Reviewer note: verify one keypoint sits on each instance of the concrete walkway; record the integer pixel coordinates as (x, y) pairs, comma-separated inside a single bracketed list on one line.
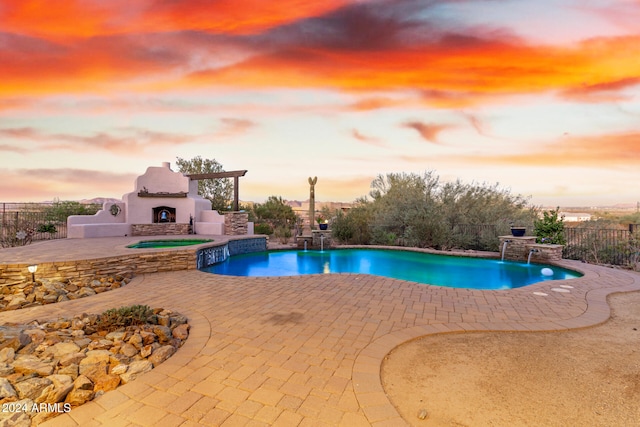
[(304, 351)]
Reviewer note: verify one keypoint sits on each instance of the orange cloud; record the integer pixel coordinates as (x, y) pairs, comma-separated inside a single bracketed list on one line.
[(367, 139), (599, 92), (126, 140), (74, 18), (615, 150), (428, 132), (374, 103), (234, 126), (340, 44)]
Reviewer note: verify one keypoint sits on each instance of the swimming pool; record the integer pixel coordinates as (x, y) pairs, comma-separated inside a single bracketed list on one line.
[(433, 269), (172, 243)]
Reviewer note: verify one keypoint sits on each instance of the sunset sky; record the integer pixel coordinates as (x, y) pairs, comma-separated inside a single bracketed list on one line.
[(542, 97)]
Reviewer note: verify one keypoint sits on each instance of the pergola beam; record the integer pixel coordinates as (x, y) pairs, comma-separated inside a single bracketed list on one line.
[(218, 175)]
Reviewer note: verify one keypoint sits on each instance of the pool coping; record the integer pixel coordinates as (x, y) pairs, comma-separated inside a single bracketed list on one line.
[(357, 319)]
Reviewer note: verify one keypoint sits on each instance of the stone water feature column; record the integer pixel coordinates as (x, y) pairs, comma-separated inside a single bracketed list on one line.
[(236, 223), (518, 249)]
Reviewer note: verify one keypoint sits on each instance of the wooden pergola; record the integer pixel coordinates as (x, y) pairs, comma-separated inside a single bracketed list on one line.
[(218, 175)]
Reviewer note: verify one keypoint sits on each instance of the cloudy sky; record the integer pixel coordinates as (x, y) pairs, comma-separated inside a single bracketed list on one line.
[(542, 97)]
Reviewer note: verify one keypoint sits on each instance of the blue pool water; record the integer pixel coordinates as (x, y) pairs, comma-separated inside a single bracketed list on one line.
[(440, 270)]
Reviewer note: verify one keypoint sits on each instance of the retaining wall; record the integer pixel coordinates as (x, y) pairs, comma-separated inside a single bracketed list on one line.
[(142, 262)]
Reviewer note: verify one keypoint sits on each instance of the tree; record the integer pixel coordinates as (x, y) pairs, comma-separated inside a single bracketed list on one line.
[(417, 210), (218, 191), (550, 229), (353, 227), (275, 212)]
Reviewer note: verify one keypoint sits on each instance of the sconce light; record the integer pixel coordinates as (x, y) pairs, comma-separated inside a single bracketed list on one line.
[(32, 269)]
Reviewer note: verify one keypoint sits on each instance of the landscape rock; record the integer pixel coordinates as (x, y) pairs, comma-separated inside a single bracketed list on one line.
[(181, 331), (128, 350), (7, 355), (163, 333), (72, 361), (136, 368), (19, 295), (31, 388), (60, 386), (6, 389), (61, 349), (161, 354), (29, 364)]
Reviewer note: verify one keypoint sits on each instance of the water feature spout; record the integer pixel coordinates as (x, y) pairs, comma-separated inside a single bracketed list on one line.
[(504, 248), (321, 242), (531, 252), (305, 245)]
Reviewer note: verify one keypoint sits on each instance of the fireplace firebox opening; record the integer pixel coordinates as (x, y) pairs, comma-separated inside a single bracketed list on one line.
[(163, 214)]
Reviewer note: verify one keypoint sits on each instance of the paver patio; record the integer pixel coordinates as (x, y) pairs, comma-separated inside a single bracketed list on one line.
[(299, 351)]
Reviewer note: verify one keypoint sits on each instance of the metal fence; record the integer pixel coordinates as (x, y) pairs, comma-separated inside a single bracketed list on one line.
[(480, 237), (593, 245), (23, 223), (603, 245)]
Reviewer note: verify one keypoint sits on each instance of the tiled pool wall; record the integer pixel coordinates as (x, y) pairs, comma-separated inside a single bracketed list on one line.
[(215, 254)]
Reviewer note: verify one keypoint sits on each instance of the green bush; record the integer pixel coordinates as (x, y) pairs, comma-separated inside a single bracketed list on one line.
[(283, 233), (352, 228), (550, 228), (263, 228), (47, 228), (124, 316)]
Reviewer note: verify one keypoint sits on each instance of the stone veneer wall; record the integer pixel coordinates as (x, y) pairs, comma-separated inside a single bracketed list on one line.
[(166, 228), (518, 249), (148, 262), (131, 264), (236, 223)]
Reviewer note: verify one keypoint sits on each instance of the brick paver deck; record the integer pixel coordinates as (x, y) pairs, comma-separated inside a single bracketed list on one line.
[(301, 351)]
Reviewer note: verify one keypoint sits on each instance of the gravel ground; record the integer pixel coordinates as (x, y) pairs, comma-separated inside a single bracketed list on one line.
[(586, 377)]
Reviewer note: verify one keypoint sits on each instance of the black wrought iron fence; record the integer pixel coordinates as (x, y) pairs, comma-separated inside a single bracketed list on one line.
[(480, 237), (603, 245), (23, 223), (20, 228)]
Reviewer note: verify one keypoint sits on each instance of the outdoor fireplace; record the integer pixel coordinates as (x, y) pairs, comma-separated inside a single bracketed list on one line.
[(162, 214), (163, 202)]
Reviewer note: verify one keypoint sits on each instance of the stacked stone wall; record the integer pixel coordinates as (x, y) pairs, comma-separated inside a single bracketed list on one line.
[(167, 228), (236, 223), (518, 249), (124, 265), (143, 262)]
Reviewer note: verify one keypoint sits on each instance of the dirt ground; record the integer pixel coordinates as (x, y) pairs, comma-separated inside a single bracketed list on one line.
[(585, 377)]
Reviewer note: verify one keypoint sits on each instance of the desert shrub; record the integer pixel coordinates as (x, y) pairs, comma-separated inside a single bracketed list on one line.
[(47, 228), (550, 228), (124, 316), (283, 233), (263, 228), (352, 228)]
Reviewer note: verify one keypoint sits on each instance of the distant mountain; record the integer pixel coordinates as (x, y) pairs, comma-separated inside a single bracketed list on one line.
[(99, 200)]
